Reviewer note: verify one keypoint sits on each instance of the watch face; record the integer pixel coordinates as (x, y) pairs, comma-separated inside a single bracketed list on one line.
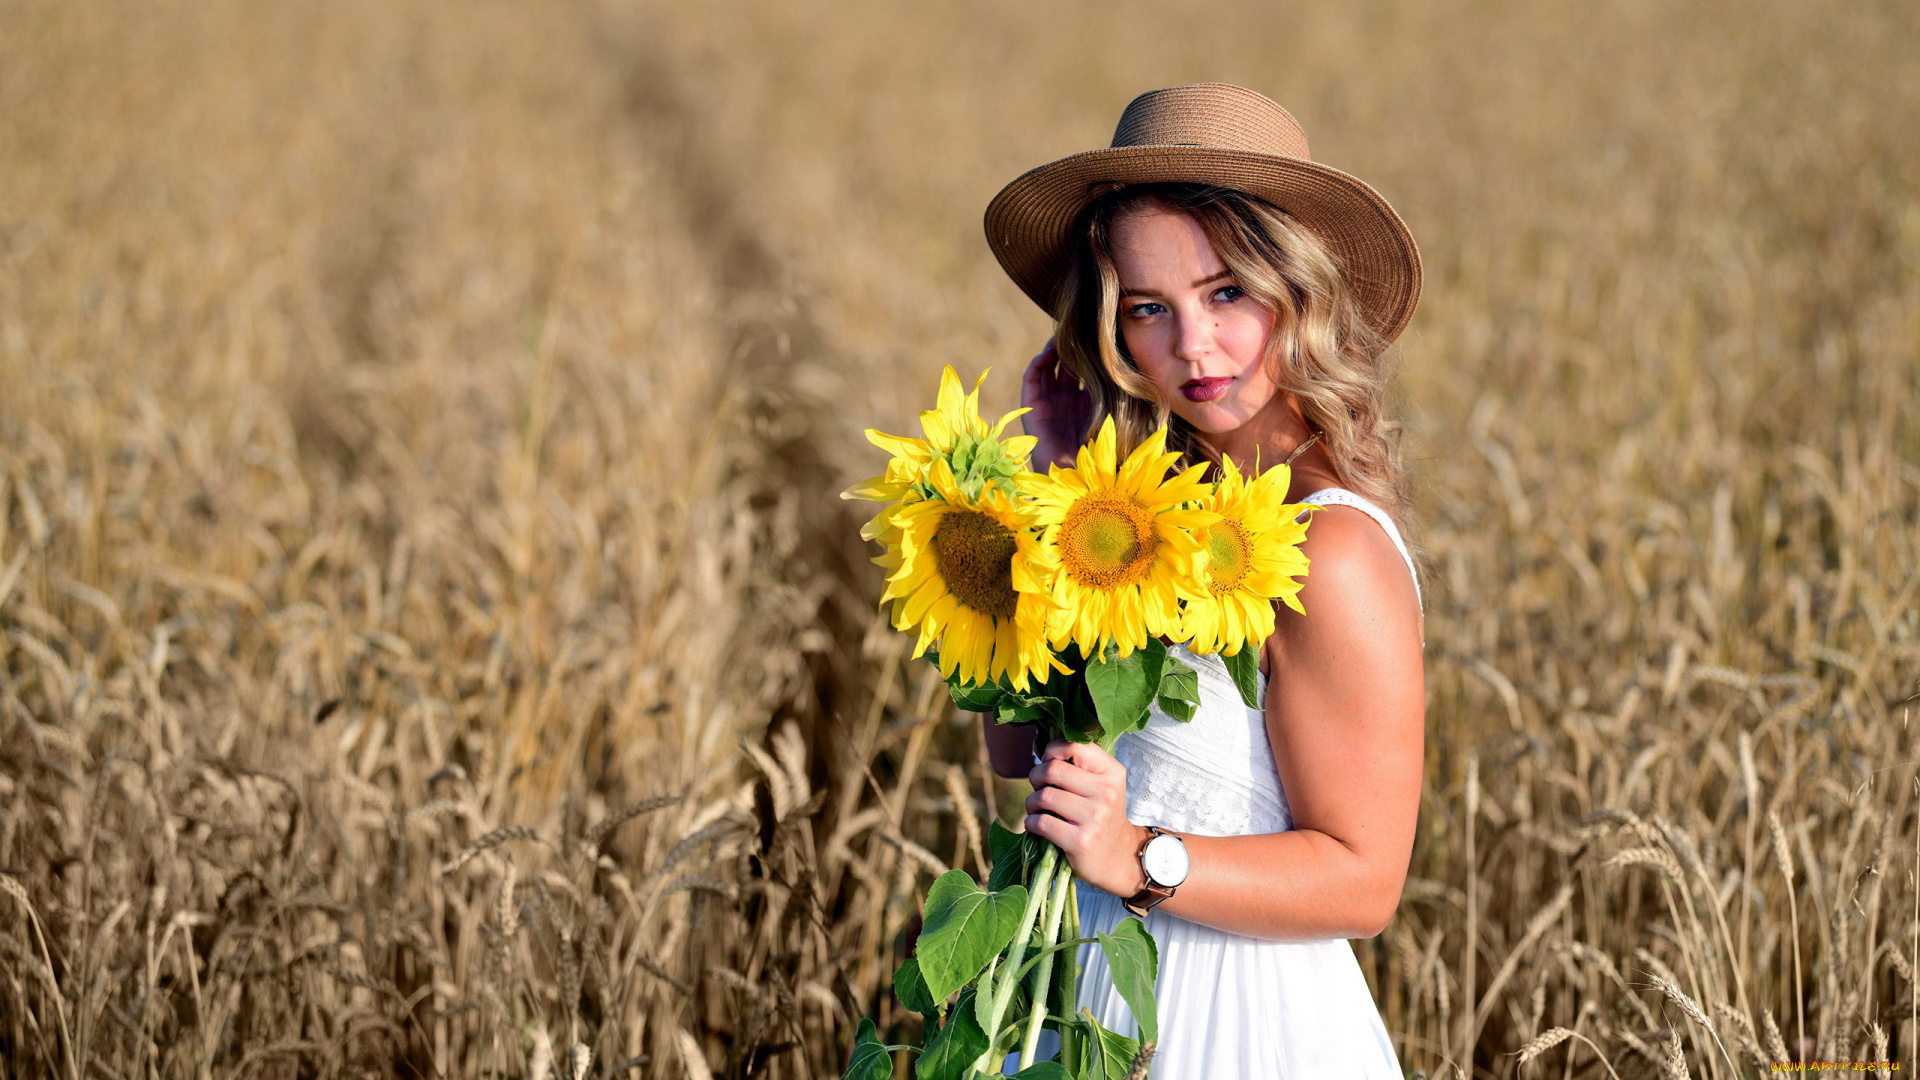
[(1166, 860)]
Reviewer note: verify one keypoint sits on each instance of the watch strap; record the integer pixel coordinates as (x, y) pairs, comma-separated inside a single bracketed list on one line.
[(1144, 901)]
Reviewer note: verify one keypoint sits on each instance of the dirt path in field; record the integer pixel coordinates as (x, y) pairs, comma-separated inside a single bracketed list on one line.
[(810, 537)]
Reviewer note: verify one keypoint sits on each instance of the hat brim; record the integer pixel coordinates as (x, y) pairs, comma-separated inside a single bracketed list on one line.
[(1030, 222)]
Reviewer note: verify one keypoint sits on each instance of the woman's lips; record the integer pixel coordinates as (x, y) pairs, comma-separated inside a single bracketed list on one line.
[(1205, 389)]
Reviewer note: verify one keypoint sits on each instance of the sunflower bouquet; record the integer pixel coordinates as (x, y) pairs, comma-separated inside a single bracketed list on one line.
[(1050, 600)]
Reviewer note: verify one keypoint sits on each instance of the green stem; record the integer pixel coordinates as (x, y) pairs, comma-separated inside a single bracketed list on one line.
[(1016, 953), (1057, 947), (1069, 981), (1050, 934)]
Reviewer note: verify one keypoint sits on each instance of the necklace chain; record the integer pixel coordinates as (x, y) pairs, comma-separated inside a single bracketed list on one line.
[(1302, 448)]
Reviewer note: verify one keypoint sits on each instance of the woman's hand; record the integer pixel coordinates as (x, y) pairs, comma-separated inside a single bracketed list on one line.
[(1062, 410), (1079, 804)]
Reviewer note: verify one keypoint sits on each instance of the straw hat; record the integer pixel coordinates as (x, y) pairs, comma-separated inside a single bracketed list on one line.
[(1211, 133)]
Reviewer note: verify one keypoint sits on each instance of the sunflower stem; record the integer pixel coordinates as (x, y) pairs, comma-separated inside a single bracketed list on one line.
[(1016, 953), (1068, 982), (1049, 936)]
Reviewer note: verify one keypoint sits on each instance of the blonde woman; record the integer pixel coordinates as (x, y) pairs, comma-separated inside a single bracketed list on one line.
[(1204, 273)]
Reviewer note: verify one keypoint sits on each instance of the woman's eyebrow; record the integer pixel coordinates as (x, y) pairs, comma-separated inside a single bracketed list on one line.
[(1124, 293)]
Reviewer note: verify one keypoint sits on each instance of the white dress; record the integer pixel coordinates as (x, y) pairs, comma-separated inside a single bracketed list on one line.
[(1234, 1006)]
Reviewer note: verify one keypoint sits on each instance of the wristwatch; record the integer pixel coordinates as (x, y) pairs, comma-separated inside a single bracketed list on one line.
[(1163, 859)]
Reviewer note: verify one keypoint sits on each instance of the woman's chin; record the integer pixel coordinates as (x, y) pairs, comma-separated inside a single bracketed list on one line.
[(1210, 419)]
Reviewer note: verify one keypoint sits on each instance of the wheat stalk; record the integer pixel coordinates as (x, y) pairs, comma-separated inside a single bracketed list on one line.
[(1673, 1062), (1743, 1033), (692, 1059), (1553, 1037), (1783, 860), (1647, 856), (1775, 1044), (1695, 1013)]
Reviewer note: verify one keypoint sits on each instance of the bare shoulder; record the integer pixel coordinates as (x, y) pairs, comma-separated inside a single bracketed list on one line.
[(1357, 587)]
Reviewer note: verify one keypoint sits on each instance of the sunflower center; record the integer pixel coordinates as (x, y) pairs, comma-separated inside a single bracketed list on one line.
[(1107, 541), (1228, 553), (975, 556)]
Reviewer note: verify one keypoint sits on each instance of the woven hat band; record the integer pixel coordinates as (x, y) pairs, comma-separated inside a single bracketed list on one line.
[(1211, 114)]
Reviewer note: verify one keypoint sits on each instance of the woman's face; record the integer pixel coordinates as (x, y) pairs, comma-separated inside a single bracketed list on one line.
[(1190, 328)]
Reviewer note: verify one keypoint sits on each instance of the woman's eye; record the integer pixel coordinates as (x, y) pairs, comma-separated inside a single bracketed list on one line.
[(1229, 293), (1142, 311)]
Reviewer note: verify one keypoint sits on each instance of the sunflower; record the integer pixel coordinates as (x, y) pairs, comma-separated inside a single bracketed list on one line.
[(1253, 557), (897, 487), (962, 575), (955, 433), (1119, 544), (978, 467)]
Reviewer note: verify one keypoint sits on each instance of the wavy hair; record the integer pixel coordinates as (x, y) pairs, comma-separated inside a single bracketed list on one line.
[(1321, 351)]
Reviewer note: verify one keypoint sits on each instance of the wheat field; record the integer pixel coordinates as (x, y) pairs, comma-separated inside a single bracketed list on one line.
[(431, 645)]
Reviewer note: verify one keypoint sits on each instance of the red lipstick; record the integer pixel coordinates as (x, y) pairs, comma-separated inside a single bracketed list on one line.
[(1205, 389)]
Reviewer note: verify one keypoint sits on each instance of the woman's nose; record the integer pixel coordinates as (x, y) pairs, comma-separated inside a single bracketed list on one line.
[(1192, 336)]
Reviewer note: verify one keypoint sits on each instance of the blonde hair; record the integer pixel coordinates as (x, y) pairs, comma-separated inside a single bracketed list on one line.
[(1321, 350)]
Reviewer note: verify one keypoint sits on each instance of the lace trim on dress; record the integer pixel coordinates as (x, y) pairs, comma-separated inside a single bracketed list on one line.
[(1213, 775), (1201, 801)]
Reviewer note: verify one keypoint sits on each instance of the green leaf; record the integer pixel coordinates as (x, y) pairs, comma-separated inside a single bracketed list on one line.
[(912, 990), (1179, 690), (1157, 658), (964, 927), (973, 698), (951, 1053), (1106, 1056), (870, 1060), (1180, 709), (1179, 681), (983, 1001), (1014, 856), (1122, 690), (1017, 708), (1134, 960), (1075, 717), (1001, 839), (1244, 666), (1044, 1070), (1079, 718)]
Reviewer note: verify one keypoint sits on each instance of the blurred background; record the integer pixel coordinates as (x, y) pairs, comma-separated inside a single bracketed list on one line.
[(431, 643)]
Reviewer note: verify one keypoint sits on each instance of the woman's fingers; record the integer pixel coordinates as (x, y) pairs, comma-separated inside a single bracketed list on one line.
[(1073, 805), (1059, 832), (1042, 376), (1049, 355), (1062, 773), (1079, 805), (1060, 802), (1086, 755)]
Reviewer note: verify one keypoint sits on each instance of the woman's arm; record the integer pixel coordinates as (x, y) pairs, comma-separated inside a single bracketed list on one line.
[(1009, 747), (1346, 717)]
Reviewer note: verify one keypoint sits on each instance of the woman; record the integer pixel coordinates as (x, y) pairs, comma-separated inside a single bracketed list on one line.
[(1204, 273)]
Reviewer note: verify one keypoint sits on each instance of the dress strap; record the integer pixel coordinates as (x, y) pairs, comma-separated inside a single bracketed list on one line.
[(1338, 496)]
